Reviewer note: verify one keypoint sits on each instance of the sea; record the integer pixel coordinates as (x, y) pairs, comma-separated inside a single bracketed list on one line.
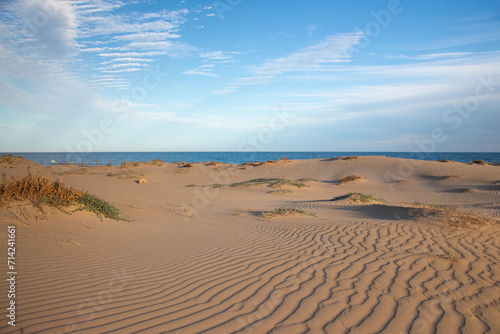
[(117, 158)]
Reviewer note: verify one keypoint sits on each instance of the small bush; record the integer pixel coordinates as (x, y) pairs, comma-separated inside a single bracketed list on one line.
[(100, 207), (271, 182), (350, 178), (187, 165), (358, 197), (142, 181), (478, 162), (454, 216), (42, 190), (286, 211), (466, 190), (281, 192)]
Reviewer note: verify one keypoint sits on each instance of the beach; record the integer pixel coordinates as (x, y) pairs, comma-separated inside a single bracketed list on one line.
[(352, 244)]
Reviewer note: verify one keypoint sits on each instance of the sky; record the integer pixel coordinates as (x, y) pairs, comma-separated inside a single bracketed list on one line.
[(249, 75)]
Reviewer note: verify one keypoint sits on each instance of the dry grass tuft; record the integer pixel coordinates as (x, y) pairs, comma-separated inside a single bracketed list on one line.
[(478, 162), (454, 176), (38, 189), (349, 157), (453, 257), (42, 190), (466, 190), (187, 165), (446, 160), (142, 181), (358, 197), (155, 162), (271, 182), (78, 171), (454, 216), (285, 212), (281, 192), (350, 178)]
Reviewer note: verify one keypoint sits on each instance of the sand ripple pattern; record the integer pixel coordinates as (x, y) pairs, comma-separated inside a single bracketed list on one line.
[(291, 275)]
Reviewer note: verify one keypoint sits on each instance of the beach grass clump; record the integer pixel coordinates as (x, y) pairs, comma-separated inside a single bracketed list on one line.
[(271, 182), (127, 174), (349, 157), (350, 178), (41, 190), (99, 206), (446, 160), (192, 185), (285, 211), (454, 216), (187, 165), (306, 179), (466, 190), (478, 162), (452, 257), (37, 189), (358, 197), (281, 192)]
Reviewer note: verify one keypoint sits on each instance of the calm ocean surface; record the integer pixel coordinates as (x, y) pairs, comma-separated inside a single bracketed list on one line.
[(117, 158)]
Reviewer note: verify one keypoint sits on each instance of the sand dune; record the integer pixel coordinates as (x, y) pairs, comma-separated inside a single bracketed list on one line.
[(199, 257)]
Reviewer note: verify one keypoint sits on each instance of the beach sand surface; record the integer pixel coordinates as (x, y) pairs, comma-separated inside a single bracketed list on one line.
[(199, 255)]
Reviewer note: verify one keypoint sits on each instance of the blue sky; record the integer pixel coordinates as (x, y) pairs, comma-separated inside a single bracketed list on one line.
[(229, 75)]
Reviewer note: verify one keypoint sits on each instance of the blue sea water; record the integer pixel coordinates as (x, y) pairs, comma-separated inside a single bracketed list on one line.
[(116, 158)]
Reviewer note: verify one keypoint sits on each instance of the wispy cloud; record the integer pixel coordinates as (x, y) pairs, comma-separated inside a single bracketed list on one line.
[(333, 49)]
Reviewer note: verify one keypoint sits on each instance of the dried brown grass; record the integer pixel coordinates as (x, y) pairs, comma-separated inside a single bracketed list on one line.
[(37, 188), (455, 217), (350, 178)]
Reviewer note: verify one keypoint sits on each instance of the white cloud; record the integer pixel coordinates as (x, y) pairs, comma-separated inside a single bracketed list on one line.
[(333, 49), (200, 72), (431, 56)]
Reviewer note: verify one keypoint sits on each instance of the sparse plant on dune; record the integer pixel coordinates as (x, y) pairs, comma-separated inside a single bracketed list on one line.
[(41, 190), (452, 257), (478, 162), (350, 178), (281, 192), (285, 211), (271, 182), (466, 190), (454, 216), (358, 197)]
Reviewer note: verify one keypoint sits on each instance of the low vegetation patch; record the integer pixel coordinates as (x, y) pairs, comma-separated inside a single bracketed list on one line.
[(350, 178), (454, 216), (281, 192), (478, 162), (187, 165), (155, 162), (466, 190), (127, 174), (271, 182), (453, 257), (78, 171), (41, 190), (349, 157), (446, 160), (285, 211), (454, 176), (358, 197), (268, 162)]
